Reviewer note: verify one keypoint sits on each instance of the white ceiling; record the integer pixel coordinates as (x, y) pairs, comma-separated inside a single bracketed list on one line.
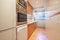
[(37, 3), (52, 4)]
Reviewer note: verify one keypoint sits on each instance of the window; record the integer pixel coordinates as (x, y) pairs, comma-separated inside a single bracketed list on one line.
[(39, 16)]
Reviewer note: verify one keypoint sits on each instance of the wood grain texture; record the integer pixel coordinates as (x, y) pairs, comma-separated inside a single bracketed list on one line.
[(31, 28), (29, 8), (39, 34)]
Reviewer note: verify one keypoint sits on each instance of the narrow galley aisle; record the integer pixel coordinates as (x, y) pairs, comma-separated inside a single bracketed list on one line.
[(39, 34)]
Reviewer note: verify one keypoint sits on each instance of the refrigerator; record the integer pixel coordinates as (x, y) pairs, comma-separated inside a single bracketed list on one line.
[(7, 19)]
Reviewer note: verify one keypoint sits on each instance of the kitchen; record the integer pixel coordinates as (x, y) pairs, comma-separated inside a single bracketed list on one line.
[(29, 19)]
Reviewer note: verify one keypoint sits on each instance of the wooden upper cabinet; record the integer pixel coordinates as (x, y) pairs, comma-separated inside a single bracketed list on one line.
[(29, 8)]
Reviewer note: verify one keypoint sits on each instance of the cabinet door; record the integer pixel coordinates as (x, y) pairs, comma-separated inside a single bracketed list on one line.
[(8, 34), (22, 34), (31, 28), (7, 14)]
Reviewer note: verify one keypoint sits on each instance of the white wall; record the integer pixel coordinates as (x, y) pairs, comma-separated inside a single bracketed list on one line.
[(41, 23), (53, 27)]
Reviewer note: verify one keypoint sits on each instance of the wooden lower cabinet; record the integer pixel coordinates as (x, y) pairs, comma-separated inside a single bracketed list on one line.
[(8, 34), (31, 28)]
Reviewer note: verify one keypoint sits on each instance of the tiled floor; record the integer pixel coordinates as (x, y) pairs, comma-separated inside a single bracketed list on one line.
[(39, 34)]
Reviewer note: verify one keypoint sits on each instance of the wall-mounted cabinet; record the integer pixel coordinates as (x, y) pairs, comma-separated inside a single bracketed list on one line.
[(53, 27)]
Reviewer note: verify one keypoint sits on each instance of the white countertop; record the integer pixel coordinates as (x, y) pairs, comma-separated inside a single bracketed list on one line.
[(20, 27), (29, 21)]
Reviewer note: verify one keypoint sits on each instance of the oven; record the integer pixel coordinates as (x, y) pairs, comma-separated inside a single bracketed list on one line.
[(21, 18)]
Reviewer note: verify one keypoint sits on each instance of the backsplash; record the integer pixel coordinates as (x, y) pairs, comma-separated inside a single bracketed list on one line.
[(30, 18)]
